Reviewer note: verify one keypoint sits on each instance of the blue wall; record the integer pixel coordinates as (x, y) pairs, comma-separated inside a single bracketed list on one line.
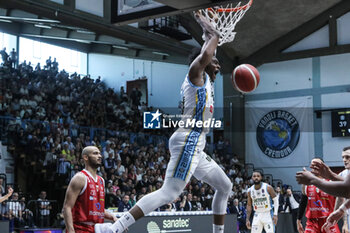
[(325, 79), (164, 79)]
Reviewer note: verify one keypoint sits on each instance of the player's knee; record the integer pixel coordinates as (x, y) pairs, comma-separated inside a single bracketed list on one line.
[(169, 195), (226, 185)]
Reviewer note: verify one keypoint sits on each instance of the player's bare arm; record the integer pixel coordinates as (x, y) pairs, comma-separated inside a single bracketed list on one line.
[(335, 188), (338, 202), (200, 63), (274, 197), (322, 170), (74, 188), (249, 211), (336, 215), (301, 211)]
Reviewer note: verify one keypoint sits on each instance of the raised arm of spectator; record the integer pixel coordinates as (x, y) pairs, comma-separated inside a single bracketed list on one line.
[(74, 188), (9, 193)]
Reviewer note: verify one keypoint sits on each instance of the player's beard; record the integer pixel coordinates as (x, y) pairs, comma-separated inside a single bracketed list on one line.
[(257, 182), (93, 163)]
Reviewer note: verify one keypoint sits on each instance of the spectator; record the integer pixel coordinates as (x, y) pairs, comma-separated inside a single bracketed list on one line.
[(13, 58), (44, 210), (15, 212), (124, 205), (2, 187), (292, 206), (240, 211), (281, 201), (187, 200), (27, 214)]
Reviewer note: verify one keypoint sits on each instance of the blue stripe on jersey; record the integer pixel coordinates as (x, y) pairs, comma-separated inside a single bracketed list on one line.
[(184, 164)]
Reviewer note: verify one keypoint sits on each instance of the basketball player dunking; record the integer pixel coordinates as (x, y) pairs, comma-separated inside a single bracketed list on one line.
[(259, 196), (186, 145), (84, 204)]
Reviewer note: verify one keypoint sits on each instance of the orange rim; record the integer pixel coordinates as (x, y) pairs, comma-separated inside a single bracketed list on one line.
[(232, 9)]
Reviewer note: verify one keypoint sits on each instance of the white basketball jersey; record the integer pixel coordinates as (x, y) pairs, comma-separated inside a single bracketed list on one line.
[(344, 174), (198, 102), (261, 199)]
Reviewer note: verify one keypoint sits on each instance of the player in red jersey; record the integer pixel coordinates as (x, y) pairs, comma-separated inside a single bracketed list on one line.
[(319, 205), (84, 204)]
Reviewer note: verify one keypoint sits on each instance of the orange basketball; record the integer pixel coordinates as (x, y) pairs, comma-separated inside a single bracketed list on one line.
[(245, 78)]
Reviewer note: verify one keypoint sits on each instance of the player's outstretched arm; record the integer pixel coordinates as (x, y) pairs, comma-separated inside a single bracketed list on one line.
[(336, 216), (200, 63), (334, 188), (321, 169), (301, 211), (274, 197), (74, 188), (249, 211)]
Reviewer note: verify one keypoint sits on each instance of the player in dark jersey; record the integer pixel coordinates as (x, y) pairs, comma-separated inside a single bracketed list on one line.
[(84, 203)]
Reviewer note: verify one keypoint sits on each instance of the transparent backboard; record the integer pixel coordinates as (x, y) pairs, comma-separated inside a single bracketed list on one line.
[(133, 6)]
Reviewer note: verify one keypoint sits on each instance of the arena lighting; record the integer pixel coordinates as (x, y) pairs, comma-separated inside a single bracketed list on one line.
[(29, 19), (42, 26), (86, 32), (162, 54), (120, 47), (5, 21)]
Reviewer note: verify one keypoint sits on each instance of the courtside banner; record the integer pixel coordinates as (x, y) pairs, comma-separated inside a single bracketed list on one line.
[(279, 132), (178, 222)]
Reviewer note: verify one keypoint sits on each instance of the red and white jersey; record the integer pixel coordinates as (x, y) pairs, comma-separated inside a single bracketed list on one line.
[(320, 204), (90, 205)]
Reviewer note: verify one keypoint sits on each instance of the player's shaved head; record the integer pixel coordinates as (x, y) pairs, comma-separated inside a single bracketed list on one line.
[(92, 156), (88, 150)]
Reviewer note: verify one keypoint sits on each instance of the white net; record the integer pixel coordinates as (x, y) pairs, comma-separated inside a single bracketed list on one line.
[(224, 19)]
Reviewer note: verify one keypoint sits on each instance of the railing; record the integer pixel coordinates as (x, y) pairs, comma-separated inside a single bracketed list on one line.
[(44, 212)]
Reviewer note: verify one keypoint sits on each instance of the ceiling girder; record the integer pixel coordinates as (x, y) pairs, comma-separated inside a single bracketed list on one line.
[(273, 51), (129, 33)]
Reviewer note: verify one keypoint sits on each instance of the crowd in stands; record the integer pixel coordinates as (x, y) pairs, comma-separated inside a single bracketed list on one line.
[(51, 115)]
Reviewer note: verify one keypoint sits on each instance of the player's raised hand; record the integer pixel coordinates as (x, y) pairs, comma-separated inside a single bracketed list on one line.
[(319, 168), (247, 223), (305, 177), (300, 226), (332, 220)]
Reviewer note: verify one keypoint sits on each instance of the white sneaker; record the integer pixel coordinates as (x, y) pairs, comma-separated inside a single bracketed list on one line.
[(103, 228)]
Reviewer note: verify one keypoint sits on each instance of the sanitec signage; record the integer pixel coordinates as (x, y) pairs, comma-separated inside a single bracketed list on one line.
[(181, 223)]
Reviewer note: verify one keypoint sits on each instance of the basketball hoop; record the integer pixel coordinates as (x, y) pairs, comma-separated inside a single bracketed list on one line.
[(224, 19)]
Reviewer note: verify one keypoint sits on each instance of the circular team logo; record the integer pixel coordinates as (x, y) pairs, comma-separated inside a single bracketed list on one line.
[(278, 134)]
